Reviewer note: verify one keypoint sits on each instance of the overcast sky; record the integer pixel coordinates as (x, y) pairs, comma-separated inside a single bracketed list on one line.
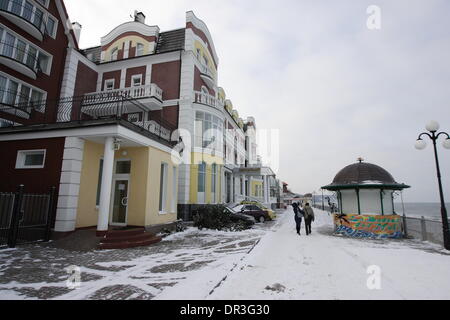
[(334, 88)]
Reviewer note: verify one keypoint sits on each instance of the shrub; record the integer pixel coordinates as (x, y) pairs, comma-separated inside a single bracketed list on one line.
[(211, 217)]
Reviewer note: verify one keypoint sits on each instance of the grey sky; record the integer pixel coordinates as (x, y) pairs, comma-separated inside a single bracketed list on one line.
[(335, 89)]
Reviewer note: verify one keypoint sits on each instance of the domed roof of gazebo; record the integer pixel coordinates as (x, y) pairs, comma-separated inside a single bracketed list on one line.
[(364, 175)]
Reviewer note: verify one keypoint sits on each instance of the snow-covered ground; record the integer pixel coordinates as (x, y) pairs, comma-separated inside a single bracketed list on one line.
[(323, 266), (268, 262)]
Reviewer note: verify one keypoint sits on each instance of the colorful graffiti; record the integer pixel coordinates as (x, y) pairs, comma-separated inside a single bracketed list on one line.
[(368, 226)]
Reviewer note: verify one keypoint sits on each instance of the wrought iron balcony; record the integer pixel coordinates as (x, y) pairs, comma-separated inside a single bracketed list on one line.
[(79, 110), (24, 15), (16, 57), (19, 104)]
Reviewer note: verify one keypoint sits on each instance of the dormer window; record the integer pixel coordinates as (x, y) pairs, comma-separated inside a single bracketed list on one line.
[(114, 54), (139, 49)]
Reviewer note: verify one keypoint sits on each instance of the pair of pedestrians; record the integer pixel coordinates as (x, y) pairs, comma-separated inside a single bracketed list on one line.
[(306, 212)]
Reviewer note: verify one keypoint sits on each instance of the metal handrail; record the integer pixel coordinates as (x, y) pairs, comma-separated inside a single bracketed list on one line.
[(26, 56), (39, 24), (144, 91), (80, 109)]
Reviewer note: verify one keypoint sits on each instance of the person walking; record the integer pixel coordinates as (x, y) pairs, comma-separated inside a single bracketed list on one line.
[(298, 216), (309, 218)]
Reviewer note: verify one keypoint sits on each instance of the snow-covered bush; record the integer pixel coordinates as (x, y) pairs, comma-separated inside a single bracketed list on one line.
[(216, 217)]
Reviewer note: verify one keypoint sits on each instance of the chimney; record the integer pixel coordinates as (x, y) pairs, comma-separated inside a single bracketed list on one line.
[(139, 17), (76, 27)]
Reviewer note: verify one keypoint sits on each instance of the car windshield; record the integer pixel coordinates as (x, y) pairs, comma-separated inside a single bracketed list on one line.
[(238, 208)]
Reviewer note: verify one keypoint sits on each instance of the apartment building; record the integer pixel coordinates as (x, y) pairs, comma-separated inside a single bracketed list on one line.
[(132, 132)]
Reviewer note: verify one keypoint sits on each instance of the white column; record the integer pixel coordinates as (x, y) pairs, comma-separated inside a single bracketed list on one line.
[(266, 196), (105, 194)]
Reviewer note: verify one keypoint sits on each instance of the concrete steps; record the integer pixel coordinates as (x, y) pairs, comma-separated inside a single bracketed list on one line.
[(129, 238)]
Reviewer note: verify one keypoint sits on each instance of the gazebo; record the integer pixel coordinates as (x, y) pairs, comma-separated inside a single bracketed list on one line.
[(365, 188), (365, 193)]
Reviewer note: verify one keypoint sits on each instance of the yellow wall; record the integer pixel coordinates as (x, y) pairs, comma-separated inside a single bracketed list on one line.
[(153, 182), (143, 204), (253, 185), (209, 160), (148, 46), (205, 52)]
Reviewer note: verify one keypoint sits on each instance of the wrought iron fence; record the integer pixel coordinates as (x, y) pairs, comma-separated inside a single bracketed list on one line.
[(25, 217), (92, 107)]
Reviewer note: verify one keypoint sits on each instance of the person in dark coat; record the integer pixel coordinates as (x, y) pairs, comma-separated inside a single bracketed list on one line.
[(298, 213), (309, 218)]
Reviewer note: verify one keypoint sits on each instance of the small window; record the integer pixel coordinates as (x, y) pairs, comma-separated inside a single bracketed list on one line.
[(99, 183), (136, 81), (174, 189), (109, 85), (114, 54), (123, 167), (139, 49), (162, 188), (51, 26), (30, 159)]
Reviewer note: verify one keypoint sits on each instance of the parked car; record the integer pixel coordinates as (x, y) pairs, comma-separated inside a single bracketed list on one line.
[(272, 213), (248, 221), (254, 211)]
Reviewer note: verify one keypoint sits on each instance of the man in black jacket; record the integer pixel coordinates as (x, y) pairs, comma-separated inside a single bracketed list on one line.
[(298, 216)]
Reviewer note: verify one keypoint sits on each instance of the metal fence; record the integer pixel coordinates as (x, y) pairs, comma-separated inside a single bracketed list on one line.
[(423, 229), (25, 218)]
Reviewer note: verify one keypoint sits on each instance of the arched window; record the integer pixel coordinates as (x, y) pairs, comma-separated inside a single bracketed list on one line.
[(139, 49), (114, 54)]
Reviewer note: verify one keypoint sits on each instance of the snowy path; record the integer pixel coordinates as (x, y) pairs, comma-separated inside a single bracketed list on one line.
[(323, 266)]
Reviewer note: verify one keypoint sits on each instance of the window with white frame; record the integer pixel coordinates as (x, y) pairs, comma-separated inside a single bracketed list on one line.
[(51, 27), (136, 80), (163, 188), (174, 189), (208, 131), (33, 13), (17, 48), (109, 84), (201, 177), (16, 93), (30, 159), (99, 183), (114, 54), (214, 181), (139, 49)]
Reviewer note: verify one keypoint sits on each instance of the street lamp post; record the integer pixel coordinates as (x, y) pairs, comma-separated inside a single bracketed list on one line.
[(433, 127)]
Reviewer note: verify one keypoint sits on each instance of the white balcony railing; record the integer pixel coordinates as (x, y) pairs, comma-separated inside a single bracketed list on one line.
[(140, 92), (207, 99)]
